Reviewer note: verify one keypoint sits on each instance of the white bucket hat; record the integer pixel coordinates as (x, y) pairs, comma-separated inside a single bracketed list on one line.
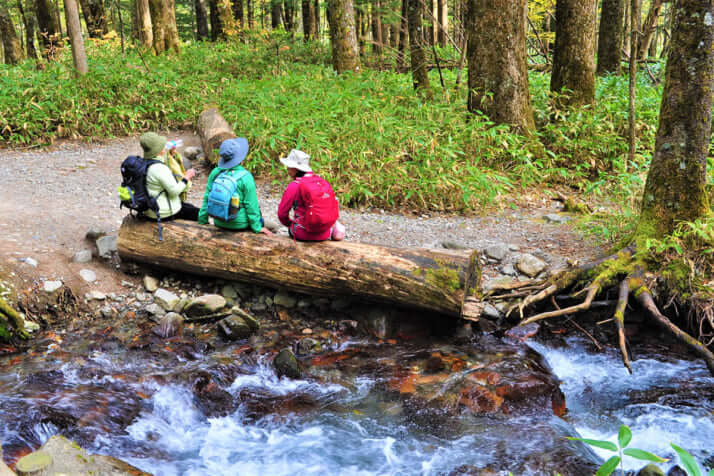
[(297, 159)]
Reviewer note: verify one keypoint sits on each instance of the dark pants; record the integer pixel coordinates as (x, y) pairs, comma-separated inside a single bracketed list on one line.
[(187, 212)]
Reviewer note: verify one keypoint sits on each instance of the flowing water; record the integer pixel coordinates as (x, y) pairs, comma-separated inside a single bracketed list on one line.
[(139, 402)]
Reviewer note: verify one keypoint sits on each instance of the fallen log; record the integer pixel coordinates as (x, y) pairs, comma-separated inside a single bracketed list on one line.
[(446, 282), (213, 129)]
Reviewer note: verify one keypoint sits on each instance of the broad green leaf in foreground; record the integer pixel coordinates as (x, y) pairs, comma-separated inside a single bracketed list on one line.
[(606, 445), (644, 455), (608, 466)]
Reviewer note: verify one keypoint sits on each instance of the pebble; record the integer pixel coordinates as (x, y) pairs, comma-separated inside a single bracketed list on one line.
[(84, 256), (530, 265), (556, 218), (29, 261), (166, 299), (51, 286), (497, 251), (285, 300), (151, 284), (88, 275), (106, 245), (95, 296)]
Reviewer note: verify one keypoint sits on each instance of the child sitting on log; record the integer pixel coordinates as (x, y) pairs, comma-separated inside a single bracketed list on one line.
[(310, 197), (231, 198)]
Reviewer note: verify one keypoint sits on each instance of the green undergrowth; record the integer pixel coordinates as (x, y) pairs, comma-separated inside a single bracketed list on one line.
[(379, 143)]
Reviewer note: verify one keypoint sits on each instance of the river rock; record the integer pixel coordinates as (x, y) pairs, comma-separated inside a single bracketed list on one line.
[(234, 328), (285, 300), (258, 306), (530, 265), (88, 275), (106, 245), (210, 398), (107, 311), (676, 471), (286, 364), (166, 299), (51, 286), (490, 312), (243, 290), (378, 321), (37, 463), (69, 458), (650, 470), (192, 152), (509, 270), (556, 218), (497, 251), (229, 292), (95, 296), (308, 346), (154, 309), (247, 317), (31, 326), (84, 256), (170, 325), (523, 333), (94, 233), (151, 284), (30, 261), (205, 305)]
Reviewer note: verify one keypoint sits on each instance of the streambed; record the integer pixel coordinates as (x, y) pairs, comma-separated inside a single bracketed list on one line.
[(423, 404)]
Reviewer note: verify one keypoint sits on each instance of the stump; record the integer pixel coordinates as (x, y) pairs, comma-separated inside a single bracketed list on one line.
[(213, 130), (447, 282)]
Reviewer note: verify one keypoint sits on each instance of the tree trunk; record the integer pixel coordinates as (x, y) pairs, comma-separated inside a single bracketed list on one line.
[(213, 130), (649, 27), (173, 43), (48, 28), (343, 36), (403, 32), (443, 21), (317, 19), (201, 20), (676, 184), (10, 42), (609, 46), (29, 23), (249, 7), (420, 75), (276, 13), (289, 14), (146, 29), (215, 17), (377, 39), (238, 12), (574, 58), (95, 17), (159, 24), (443, 282), (308, 20), (74, 28), (498, 74)]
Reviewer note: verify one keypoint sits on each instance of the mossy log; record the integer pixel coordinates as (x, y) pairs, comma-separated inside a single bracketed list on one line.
[(213, 129), (442, 281)]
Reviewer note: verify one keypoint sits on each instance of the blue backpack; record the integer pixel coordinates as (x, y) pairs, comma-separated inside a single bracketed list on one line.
[(224, 201)]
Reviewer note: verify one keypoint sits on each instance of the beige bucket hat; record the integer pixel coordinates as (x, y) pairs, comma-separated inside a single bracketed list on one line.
[(297, 159)]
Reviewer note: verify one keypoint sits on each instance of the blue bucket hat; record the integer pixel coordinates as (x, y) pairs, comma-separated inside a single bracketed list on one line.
[(233, 152)]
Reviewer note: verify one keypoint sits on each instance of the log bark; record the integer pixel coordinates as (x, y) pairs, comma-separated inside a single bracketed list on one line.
[(438, 281), (213, 130)]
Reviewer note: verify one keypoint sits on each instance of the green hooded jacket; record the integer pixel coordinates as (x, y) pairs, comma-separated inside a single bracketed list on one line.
[(249, 215)]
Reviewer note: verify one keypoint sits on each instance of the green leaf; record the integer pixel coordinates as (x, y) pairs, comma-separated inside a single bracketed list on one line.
[(608, 466), (606, 445), (711, 473), (644, 455), (624, 436), (690, 466)]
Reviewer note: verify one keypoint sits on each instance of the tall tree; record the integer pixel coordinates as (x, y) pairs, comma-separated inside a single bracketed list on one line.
[(443, 20), (609, 45), (343, 36), (676, 183), (649, 27), (201, 19), (317, 19), (74, 28), (28, 21), (249, 7), (574, 57), (276, 13), (95, 17), (49, 29), (238, 12), (377, 39), (420, 74), (498, 75), (403, 32), (146, 29), (163, 22), (10, 42), (308, 20), (215, 16)]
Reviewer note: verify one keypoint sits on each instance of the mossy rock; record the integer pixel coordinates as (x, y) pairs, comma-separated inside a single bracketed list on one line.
[(33, 463)]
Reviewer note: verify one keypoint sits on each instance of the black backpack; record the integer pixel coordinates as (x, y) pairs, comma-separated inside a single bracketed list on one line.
[(132, 192)]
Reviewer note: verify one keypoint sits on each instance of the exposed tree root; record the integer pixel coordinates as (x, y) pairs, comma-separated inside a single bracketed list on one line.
[(627, 271)]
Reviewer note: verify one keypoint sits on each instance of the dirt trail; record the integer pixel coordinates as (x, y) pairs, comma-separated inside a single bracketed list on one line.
[(51, 197)]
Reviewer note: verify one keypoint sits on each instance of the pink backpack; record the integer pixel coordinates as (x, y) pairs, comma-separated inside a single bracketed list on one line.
[(320, 202)]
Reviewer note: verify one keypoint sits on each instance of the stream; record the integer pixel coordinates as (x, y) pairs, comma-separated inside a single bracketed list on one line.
[(431, 405)]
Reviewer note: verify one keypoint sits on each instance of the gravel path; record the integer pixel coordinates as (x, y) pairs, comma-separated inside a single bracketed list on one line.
[(50, 198)]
